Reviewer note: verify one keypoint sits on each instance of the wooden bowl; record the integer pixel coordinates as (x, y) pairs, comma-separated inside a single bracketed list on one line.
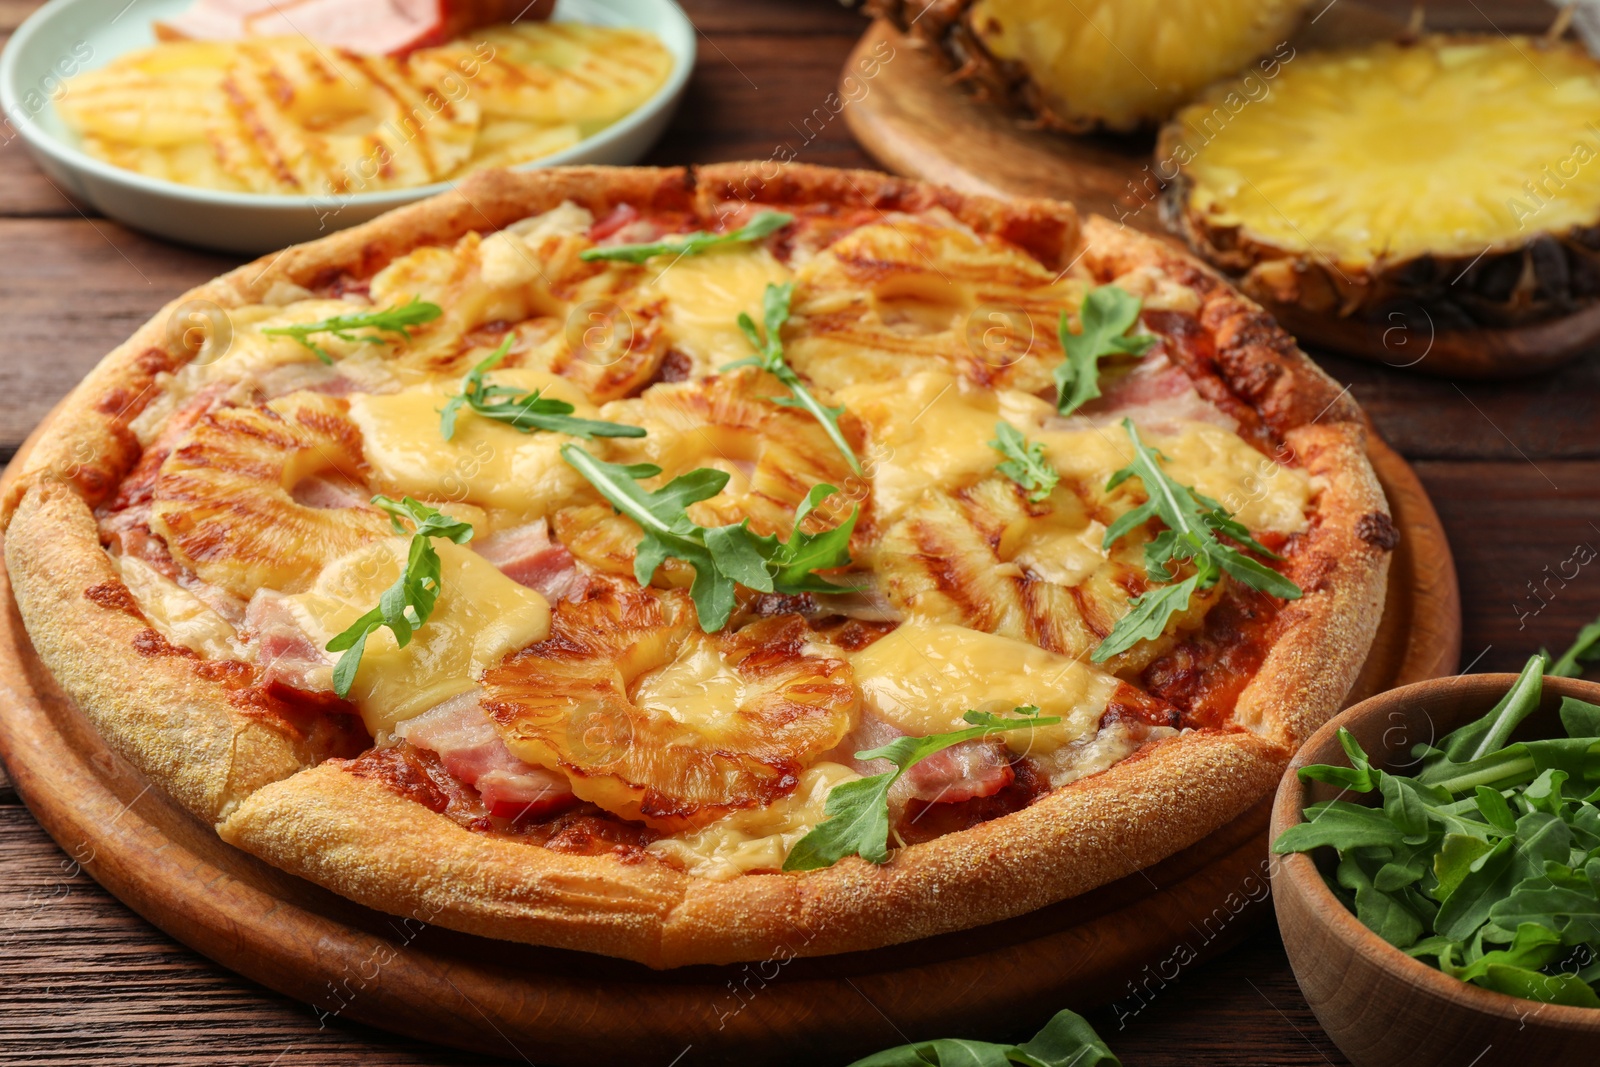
[(1380, 1006)]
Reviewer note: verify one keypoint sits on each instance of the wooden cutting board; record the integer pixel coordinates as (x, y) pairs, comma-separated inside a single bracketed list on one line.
[(556, 1007), (917, 121)]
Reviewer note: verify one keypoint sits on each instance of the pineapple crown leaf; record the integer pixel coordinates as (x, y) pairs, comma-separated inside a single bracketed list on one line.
[(526, 412), (856, 813), (760, 226), (769, 357), (1025, 462), (398, 319), (1195, 528), (1107, 314), (406, 605), (723, 557)]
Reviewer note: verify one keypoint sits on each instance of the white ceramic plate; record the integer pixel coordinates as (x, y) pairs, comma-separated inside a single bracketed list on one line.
[(67, 36)]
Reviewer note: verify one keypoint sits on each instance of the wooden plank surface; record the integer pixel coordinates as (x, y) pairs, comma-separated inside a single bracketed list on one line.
[(1513, 469)]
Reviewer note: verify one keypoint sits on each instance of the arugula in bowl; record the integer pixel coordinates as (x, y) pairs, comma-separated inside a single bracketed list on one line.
[(1486, 860)]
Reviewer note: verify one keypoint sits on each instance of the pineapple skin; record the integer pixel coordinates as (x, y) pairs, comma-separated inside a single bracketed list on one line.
[(1535, 278), (969, 35)]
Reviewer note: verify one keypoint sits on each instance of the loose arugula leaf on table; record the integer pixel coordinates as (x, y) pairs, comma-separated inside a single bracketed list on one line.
[(522, 411), (1195, 528), (1025, 463), (1067, 1040), (406, 605), (857, 812), (760, 226), (769, 357), (1488, 861), (723, 557), (1106, 315), (398, 319)]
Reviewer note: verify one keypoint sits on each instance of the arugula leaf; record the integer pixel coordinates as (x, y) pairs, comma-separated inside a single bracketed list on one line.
[(406, 605), (1513, 864), (769, 357), (1067, 1040), (522, 411), (1585, 649), (1490, 733), (723, 557), (1107, 314), (398, 319), (1195, 528), (1025, 463), (857, 812), (1535, 985), (760, 226), (1384, 913)]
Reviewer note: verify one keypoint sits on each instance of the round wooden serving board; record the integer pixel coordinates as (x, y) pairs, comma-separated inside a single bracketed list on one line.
[(555, 1007), (915, 119)]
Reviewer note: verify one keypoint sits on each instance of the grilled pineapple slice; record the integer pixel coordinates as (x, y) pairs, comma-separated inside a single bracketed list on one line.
[(306, 119), (916, 294), (553, 73), (155, 98), (286, 115), (772, 454), (1455, 173), (654, 720), (1117, 64), (983, 556), (224, 499)]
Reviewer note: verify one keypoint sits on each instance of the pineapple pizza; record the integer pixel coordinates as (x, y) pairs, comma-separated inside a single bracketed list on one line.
[(693, 565)]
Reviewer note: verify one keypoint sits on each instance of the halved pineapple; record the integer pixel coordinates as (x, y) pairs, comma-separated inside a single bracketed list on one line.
[(654, 720), (1116, 64), (224, 499), (1454, 176)]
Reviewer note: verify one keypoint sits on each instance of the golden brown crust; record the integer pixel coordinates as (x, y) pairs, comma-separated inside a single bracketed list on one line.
[(1321, 639), (359, 839), (354, 836), (180, 728)]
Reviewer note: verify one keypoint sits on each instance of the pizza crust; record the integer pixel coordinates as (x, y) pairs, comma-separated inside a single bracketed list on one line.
[(182, 730), (359, 839), (254, 778)]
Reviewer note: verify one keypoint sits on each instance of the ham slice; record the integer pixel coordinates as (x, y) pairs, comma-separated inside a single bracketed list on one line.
[(1156, 394), (464, 738), (371, 27), (289, 658), (977, 768), (528, 556), (320, 491)]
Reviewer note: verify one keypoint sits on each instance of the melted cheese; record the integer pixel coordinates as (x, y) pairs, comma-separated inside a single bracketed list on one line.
[(176, 613), (922, 677), (704, 295), (1062, 546), (485, 463), (931, 430), (756, 838), (698, 689), (480, 617)]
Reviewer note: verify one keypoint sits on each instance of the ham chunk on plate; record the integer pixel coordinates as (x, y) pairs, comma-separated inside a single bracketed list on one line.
[(371, 27)]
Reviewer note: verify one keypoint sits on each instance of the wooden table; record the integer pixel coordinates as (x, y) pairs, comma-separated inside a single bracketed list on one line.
[(1514, 470)]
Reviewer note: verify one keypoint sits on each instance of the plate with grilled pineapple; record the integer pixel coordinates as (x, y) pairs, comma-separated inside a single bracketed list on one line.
[(1423, 199), (247, 144)]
